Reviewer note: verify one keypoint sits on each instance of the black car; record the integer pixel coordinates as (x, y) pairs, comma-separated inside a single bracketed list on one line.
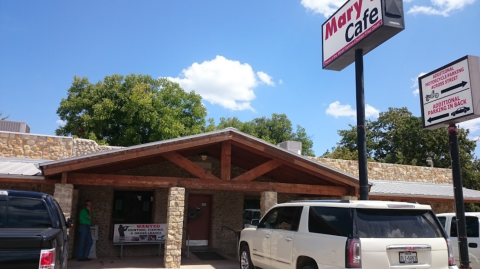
[(459, 110), (33, 231)]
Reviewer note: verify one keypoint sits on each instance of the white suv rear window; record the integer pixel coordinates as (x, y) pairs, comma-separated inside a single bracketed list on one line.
[(386, 223)]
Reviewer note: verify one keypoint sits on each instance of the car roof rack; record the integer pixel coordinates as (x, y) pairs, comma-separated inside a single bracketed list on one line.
[(320, 201)]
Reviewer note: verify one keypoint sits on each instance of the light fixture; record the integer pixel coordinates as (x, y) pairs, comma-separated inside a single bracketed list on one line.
[(204, 156)]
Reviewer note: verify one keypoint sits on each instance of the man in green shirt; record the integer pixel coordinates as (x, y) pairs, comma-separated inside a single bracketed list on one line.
[(85, 237)]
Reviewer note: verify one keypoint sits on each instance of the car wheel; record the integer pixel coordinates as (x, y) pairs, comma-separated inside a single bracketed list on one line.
[(453, 114), (245, 260), (310, 267)]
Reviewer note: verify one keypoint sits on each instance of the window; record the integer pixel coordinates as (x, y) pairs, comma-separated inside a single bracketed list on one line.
[(386, 223), (3, 206), (132, 207), (442, 221), (289, 218), (270, 220), (27, 213), (470, 222), (330, 220)]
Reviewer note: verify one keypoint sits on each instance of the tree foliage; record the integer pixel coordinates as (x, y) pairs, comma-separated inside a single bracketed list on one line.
[(135, 109), (274, 130), (398, 137)]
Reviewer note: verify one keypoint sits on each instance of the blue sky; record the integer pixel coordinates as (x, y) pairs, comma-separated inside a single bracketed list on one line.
[(247, 58)]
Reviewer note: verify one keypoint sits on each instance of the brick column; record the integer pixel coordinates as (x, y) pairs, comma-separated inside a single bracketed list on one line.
[(267, 201), (173, 244), (64, 195)]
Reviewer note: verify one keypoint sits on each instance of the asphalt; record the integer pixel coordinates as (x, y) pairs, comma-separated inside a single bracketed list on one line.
[(151, 262)]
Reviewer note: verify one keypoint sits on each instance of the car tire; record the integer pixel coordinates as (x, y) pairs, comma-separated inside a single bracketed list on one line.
[(310, 267), (453, 114), (245, 260)]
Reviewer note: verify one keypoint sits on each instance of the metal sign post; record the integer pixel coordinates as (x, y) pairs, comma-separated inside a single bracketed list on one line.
[(458, 193), (361, 132), (449, 95), (354, 30)]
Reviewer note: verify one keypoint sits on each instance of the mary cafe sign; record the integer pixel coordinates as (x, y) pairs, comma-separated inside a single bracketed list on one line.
[(451, 93)]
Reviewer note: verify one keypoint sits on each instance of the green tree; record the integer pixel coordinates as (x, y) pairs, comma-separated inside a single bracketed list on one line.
[(135, 109), (398, 137), (274, 130), (4, 118)]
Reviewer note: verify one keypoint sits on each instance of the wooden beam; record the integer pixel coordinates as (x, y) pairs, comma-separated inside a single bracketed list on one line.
[(425, 200), (226, 161), (85, 162), (298, 162), (189, 166), (28, 181), (202, 184), (258, 171), (64, 178)]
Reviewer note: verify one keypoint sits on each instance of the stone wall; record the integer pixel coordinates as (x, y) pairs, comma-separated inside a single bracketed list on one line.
[(31, 146), (393, 172), (87, 146)]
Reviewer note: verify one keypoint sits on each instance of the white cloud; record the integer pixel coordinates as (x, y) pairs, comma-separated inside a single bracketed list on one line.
[(440, 7), (61, 122), (324, 7), (472, 125), (265, 78), (336, 110), (224, 82), (280, 81), (416, 92)]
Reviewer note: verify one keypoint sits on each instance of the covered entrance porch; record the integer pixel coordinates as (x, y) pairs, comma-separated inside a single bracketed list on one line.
[(196, 186)]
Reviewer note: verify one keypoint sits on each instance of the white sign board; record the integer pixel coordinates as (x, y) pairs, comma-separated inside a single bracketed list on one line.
[(450, 94), (359, 24), (139, 232)]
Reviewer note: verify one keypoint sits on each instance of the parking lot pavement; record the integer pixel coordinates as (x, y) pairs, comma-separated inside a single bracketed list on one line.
[(149, 262)]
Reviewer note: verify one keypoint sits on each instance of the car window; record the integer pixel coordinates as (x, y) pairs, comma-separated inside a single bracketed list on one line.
[(60, 214), (388, 223), (442, 221), (330, 220), (288, 219), (270, 220), (3, 205), (471, 224), (27, 213)]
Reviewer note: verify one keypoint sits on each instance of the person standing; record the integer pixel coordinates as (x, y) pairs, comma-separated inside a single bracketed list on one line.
[(85, 237)]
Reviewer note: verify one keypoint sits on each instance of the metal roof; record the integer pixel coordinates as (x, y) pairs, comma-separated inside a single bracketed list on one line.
[(186, 138), (418, 189), (20, 167)]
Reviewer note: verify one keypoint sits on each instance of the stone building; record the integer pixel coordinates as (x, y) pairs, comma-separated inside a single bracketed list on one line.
[(198, 185)]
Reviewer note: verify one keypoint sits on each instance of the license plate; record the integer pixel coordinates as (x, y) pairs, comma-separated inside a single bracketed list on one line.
[(408, 257)]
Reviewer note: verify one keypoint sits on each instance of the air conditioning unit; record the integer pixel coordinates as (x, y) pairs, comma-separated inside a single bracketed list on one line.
[(293, 146), (14, 126)]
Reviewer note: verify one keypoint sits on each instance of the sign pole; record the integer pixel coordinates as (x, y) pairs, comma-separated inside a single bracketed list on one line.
[(458, 193), (361, 133)]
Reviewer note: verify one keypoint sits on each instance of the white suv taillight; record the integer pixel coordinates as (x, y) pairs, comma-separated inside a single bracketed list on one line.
[(451, 256), (47, 259), (353, 258)]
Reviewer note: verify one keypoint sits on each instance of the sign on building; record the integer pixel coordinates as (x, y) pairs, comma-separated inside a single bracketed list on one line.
[(139, 232), (359, 24), (451, 93)]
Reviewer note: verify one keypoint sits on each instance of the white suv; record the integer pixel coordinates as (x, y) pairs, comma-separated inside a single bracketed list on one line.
[(346, 234), (449, 222)]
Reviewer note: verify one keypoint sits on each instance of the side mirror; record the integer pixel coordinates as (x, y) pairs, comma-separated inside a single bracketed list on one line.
[(69, 223), (254, 222)]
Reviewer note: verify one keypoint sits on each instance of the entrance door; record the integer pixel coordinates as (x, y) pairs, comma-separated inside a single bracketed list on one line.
[(198, 219)]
